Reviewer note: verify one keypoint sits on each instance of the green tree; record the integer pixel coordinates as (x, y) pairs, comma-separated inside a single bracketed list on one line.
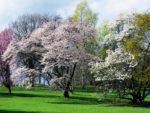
[(142, 21), (102, 32), (84, 14), (128, 62), (138, 45)]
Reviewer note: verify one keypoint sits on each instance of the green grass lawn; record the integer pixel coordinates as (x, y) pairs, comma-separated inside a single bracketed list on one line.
[(41, 100)]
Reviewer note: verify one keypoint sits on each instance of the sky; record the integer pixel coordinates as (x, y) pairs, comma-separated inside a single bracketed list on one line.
[(106, 9)]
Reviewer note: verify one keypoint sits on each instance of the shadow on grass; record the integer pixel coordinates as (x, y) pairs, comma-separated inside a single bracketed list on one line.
[(78, 100), (117, 102), (27, 95), (129, 104), (93, 100), (86, 90), (76, 103), (9, 111)]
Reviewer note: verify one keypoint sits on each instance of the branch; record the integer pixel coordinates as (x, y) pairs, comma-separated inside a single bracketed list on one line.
[(57, 70)]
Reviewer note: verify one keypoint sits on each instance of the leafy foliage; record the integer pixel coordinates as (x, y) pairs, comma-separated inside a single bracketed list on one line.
[(84, 14), (128, 61)]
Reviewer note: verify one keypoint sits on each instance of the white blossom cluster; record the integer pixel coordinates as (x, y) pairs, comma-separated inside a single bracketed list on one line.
[(56, 43), (118, 63)]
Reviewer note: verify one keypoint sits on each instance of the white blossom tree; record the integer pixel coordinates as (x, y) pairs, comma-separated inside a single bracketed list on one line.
[(125, 58), (53, 49)]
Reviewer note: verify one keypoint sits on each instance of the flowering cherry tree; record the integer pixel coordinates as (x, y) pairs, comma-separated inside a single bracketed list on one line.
[(5, 38), (53, 50)]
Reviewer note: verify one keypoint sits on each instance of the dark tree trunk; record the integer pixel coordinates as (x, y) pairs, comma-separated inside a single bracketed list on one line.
[(83, 83), (9, 88), (39, 79), (32, 81), (66, 91), (137, 98), (66, 94), (6, 81), (7, 85)]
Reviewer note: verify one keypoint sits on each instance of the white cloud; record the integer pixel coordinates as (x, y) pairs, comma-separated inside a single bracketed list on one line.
[(9, 10), (107, 9), (68, 9)]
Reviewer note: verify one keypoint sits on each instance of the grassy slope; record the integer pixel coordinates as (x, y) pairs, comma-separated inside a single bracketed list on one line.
[(44, 101)]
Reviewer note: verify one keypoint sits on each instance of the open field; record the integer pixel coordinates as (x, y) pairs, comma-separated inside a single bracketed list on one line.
[(41, 100)]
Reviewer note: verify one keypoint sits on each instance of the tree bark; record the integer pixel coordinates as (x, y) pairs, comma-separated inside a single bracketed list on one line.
[(83, 82), (66, 92), (39, 79), (32, 81), (137, 99), (9, 88)]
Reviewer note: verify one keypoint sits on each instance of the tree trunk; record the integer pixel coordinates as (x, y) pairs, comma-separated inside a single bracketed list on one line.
[(39, 79), (32, 81), (66, 92), (83, 82), (7, 84), (9, 88), (137, 98)]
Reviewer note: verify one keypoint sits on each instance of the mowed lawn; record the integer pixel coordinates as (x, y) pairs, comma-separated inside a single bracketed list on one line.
[(42, 100)]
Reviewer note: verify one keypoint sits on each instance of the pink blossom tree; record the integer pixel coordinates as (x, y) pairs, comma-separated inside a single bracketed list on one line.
[(53, 49), (5, 38)]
